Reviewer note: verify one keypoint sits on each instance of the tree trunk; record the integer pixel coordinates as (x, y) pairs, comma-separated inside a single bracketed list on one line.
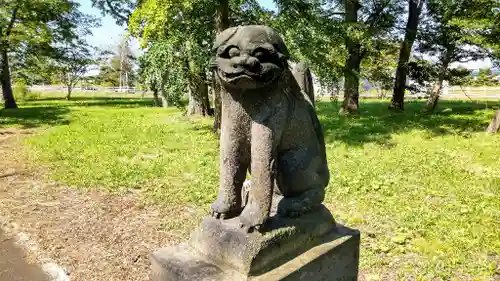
[(351, 72), (8, 94), (221, 23), (415, 9), (435, 93), (494, 126), (156, 98), (198, 96), (163, 95), (68, 95), (217, 103)]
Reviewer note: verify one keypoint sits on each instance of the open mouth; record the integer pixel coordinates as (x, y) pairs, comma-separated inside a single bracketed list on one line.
[(261, 78), (234, 76)]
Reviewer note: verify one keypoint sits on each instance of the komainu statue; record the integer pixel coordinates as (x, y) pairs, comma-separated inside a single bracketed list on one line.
[(269, 129), (272, 226)]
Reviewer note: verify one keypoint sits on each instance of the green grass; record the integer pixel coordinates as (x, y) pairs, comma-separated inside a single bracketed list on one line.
[(423, 189)]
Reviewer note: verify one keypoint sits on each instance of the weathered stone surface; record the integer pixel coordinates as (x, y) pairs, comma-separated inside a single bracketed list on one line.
[(303, 76), (282, 239), (335, 258), (183, 263), (332, 257), (269, 128)]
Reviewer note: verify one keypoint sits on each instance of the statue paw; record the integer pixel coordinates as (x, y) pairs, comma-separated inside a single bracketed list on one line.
[(252, 218), (223, 210)]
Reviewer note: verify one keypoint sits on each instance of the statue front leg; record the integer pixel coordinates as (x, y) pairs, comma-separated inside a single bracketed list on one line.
[(233, 169), (257, 210)]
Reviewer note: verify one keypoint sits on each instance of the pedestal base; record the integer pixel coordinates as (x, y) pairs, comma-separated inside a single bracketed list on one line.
[(306, 248)]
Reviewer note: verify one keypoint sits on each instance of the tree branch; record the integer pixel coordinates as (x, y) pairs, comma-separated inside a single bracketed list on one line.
[(375, 16), (12, 21), (115, 12), (331, 14)]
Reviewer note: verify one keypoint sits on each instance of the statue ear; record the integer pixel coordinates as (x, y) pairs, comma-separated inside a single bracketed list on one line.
[(282, 57), (285, 64), (212, 63)]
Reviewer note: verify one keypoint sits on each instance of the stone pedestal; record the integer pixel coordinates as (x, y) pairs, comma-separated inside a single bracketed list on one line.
[(311, 247)]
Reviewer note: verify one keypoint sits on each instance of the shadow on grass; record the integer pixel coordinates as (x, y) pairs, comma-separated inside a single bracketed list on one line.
[(376, 123), (32, 117), (96, 101)]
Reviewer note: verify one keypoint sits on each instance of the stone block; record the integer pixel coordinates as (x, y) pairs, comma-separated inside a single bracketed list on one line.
[(311, 247)]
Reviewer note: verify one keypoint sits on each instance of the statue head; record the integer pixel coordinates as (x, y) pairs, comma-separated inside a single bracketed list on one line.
[(249, 57)]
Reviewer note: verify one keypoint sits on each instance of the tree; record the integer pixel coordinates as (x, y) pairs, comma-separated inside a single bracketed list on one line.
[(31, 68), (183, 26), (5, 33), (457, 31), (313, 33), (414, 10), (120, 10), (117, 65), (190, 28), (379, 65), (72, 64), (353, 61), (494, 126), (163, 71), (318, 29), (221, 24), (32, 27), (484, 78)]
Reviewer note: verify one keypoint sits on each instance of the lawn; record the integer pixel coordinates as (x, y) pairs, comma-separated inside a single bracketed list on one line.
[(423, 189)]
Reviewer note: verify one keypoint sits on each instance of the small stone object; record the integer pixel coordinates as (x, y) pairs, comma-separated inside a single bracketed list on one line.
[(274, 225)]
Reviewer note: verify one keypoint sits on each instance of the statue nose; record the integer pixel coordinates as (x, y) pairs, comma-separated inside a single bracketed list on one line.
[(246, 62)]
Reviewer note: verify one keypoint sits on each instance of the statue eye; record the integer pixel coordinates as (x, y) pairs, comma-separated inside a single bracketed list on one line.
[(261, 54), (233, 52)]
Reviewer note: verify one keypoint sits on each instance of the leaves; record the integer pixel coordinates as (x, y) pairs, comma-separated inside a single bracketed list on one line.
[(177, 36), (72, 62), (38, 24)]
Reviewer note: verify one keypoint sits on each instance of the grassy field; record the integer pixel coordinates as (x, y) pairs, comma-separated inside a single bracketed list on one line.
[(423, 189)]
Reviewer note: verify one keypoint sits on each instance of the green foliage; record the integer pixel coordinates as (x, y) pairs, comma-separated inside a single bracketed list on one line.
[(120, 10), (458, 31), (32, 31), (484, 78), (20, 89), (32, 27), (178, 37), (379, 68), (313, 37), (170, 81), (22, 92), (459, 76), (72, 62), (316, 33), (423, 189)]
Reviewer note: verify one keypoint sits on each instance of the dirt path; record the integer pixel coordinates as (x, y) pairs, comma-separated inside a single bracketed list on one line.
[(13, 264), (92, 235)]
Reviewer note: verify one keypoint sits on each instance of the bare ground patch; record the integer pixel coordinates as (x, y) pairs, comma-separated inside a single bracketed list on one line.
[(93, 235)]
